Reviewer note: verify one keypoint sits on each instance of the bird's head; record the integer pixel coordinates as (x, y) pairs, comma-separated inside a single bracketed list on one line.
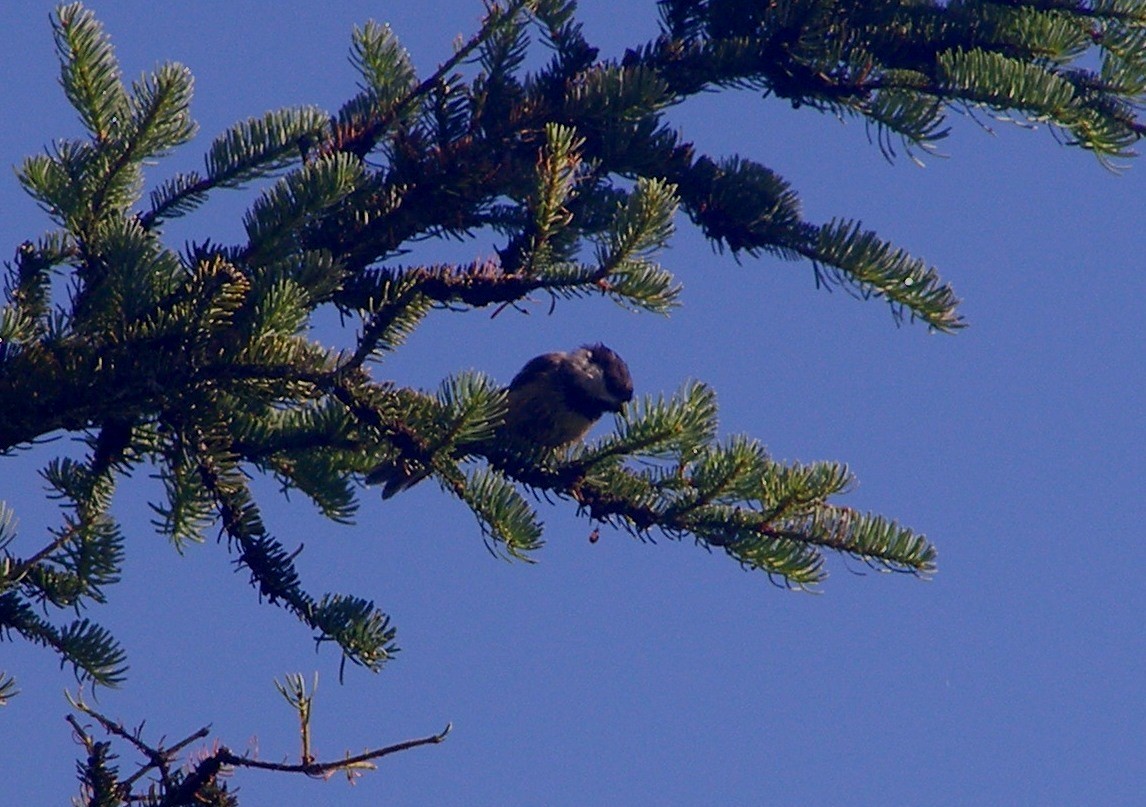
[(602, 376)]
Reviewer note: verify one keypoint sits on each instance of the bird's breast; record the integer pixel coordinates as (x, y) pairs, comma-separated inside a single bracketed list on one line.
[(536, 413)]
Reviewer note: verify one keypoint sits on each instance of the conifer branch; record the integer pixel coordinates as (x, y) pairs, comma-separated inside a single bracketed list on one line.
[(89, 71), (202, 365), (664, 471), (201, 779), (250, 149), (90, 649), (362, 632), (362, 139)]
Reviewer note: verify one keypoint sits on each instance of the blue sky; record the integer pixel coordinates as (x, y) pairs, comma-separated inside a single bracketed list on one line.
[(626, 673)]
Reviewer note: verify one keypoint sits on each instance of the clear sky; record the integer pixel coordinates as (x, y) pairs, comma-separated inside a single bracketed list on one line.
[(626, 673)]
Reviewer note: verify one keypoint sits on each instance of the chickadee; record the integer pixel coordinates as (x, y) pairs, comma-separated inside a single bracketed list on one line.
[(553, 401), (557, 397)]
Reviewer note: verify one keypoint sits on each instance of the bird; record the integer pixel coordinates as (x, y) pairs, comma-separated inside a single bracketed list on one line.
[(557, 397), (552, 402)]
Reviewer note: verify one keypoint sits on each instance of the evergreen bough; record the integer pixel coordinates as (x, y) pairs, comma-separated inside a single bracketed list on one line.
[(198, 365)]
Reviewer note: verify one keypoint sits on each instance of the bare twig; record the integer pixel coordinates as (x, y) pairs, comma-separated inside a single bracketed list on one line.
[(203, 773), (323, 769)]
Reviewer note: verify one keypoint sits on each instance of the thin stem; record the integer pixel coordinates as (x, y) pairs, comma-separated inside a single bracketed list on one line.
[(324, 768)]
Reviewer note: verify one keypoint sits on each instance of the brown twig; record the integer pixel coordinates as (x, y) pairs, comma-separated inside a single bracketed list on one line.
[(322, 769), (204, 772)]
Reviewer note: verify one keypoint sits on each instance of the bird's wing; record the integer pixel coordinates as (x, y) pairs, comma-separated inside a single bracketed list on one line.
[(537, 367)]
